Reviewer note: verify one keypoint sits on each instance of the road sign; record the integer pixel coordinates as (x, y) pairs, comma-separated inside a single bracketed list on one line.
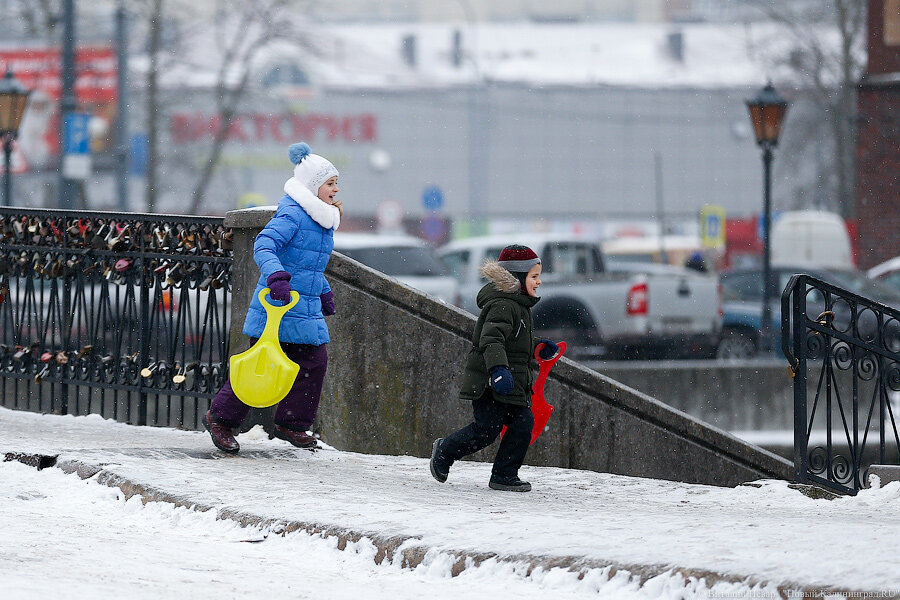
[(78, 136), (77, 146), (761, 224), (712, 226), (434, 228), (389, 214), (433, 198)]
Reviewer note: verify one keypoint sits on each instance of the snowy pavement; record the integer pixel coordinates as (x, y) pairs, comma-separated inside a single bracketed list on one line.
[(765, 536)]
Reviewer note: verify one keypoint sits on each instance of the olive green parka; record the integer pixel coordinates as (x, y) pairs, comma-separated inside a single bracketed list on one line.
[(504, 335)]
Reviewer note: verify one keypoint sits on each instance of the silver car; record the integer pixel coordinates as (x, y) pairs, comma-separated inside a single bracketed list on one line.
[(406, 258)]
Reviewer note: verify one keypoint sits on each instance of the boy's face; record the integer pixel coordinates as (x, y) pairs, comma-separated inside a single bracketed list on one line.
[(328, 190), (533, 280)]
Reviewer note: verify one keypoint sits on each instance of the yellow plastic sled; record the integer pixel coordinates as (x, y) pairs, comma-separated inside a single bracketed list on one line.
[(263, 375)]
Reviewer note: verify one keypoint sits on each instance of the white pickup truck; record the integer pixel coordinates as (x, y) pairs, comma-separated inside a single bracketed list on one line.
[(603, 311)]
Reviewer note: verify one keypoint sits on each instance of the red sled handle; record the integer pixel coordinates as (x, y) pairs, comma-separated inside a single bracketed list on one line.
[(539, 407), (544, 366)]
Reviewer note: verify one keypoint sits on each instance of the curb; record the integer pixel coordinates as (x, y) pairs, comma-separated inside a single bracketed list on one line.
[(405, 550)]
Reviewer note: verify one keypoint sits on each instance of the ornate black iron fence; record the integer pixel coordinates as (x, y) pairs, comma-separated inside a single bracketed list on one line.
[(850, 351), (126, 315)]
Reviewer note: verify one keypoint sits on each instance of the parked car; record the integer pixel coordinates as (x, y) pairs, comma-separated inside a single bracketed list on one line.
[(405, 258), (887, 273), (630, 310), (742, 291)]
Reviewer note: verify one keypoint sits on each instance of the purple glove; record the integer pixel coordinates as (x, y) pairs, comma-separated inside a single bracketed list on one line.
[(279, 284), (327, 303)]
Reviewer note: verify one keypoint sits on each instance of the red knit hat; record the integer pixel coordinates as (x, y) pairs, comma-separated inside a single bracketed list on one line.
[(518, 259)]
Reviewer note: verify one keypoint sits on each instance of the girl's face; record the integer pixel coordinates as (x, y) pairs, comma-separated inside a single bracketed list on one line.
[(533, 280), (328, 190)]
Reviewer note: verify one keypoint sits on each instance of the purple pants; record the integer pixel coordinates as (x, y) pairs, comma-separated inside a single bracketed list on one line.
[(298, 409)]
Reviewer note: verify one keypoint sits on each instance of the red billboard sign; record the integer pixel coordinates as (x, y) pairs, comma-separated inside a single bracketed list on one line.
[(41, 69)]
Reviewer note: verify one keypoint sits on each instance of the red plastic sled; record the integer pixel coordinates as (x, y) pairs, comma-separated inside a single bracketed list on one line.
[(539, 406)]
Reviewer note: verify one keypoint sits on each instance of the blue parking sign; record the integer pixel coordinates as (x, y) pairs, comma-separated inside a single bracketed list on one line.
[(77, 135), (432, 198)]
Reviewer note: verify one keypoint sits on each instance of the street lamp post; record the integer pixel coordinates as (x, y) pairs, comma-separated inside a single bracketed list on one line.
[(767, 112), (13, 99)]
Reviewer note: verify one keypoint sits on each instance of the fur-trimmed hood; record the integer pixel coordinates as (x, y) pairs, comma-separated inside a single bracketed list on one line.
[(502, 280)]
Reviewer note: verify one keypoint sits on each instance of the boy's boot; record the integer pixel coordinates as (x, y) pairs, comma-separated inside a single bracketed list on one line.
[(440, 466), (222, 435), (301, 439), (513, 484)]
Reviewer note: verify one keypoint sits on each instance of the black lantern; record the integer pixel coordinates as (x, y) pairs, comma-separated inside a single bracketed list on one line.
[(767, 112), (13, 99)]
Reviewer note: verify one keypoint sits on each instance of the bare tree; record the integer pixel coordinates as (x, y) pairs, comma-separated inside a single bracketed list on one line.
[(241, 31), (39, 18), (825, 58)]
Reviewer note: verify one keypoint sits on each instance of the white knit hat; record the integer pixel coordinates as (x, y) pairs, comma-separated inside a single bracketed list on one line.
[(311, 170)]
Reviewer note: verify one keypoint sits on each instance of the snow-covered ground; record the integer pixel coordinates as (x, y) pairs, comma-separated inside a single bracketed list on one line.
[(67, 538), (62, 535)]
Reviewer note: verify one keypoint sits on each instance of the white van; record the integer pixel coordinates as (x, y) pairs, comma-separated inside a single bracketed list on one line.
[(813, 238)]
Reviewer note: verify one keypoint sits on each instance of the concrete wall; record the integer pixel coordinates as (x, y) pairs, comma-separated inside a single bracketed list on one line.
[(396, 357), (734, 396)]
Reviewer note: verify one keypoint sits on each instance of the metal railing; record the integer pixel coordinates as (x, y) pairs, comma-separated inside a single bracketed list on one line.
[(123, 315), (851, 353)]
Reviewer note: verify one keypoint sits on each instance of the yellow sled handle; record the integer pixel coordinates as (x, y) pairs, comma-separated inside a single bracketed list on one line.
[(275, 313)]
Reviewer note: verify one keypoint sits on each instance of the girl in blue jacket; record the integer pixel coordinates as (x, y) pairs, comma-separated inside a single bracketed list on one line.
[(292, 251)]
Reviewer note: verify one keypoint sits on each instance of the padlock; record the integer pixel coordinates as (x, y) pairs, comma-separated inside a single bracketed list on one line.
[(151, 368), (181, 375), (161, 268), (56, 268), (23, 351), (123, 264), (227, 239), (220, 279), (43, 373), (175, 275), (207, 281), (84, 351), (98, 241), (46, 267), (18, 227), (117, 239)]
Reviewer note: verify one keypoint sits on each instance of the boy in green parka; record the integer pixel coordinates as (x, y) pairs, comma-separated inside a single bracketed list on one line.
[(498, 374)]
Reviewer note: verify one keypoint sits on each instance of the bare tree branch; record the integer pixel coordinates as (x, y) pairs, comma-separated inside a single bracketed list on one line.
[(241, 34), (826, 72)]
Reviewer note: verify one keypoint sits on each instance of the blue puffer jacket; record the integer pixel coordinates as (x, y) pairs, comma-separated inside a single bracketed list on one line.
[(292, 241)]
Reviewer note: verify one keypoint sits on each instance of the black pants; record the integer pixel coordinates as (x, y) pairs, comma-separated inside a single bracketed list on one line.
[(490, 417)]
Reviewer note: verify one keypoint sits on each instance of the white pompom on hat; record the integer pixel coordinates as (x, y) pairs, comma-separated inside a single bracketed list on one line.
[(310, 169)]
